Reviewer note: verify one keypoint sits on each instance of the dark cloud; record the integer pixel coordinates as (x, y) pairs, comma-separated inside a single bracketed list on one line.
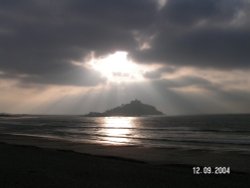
[(77, 76), (206, 33), (156, 74), (186, 12), (41, 38), (215, 48)]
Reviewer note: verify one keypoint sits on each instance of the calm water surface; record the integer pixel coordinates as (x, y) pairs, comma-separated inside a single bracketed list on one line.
[(218, 132)]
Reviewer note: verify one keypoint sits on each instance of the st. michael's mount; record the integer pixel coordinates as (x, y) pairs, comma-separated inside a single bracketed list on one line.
[(134, 108)]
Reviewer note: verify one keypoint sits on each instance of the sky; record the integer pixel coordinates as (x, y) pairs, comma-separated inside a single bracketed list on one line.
[(77, 56)]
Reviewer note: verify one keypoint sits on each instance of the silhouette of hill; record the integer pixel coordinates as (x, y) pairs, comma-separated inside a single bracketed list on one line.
[(134, 108), (5, 115)]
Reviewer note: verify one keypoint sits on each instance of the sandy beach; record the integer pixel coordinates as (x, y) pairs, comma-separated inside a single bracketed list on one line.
[(39, 162)]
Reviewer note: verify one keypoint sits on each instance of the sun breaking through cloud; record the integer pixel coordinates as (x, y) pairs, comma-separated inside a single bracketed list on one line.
[(117, 67), (183, 55)]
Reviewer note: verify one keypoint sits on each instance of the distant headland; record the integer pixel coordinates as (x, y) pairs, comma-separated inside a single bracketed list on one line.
[(134, 108)]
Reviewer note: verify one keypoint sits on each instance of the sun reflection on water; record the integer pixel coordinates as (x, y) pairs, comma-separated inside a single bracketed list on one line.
[(118, 129)]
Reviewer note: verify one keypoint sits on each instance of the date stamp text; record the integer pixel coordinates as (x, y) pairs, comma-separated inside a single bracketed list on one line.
[(211, 170)]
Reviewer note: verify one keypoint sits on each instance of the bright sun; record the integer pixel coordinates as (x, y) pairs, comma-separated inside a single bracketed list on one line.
[(117, 67)]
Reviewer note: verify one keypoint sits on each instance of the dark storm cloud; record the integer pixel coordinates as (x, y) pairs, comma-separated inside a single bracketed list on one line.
[(215, 48), (41, 38), (186, 12), (206, 33)]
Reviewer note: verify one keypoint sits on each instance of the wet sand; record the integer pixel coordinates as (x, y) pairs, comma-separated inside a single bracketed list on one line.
[(52, 164)]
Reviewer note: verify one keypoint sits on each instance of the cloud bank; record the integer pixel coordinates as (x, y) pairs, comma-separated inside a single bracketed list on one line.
[(40, 41)]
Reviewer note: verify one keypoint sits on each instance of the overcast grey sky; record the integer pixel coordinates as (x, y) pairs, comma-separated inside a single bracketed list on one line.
[(188, 56)]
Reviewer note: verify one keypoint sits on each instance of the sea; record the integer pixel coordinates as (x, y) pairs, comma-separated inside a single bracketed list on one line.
[(205, 132)]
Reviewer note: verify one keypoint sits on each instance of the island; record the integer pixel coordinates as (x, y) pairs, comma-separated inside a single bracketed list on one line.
[(134, 108)]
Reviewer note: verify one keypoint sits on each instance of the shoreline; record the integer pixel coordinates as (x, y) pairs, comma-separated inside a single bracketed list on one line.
[(238, 162), (37, 162), (31, 166)]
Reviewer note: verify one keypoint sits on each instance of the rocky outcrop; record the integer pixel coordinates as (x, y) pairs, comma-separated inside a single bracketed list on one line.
[(134, 108)]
